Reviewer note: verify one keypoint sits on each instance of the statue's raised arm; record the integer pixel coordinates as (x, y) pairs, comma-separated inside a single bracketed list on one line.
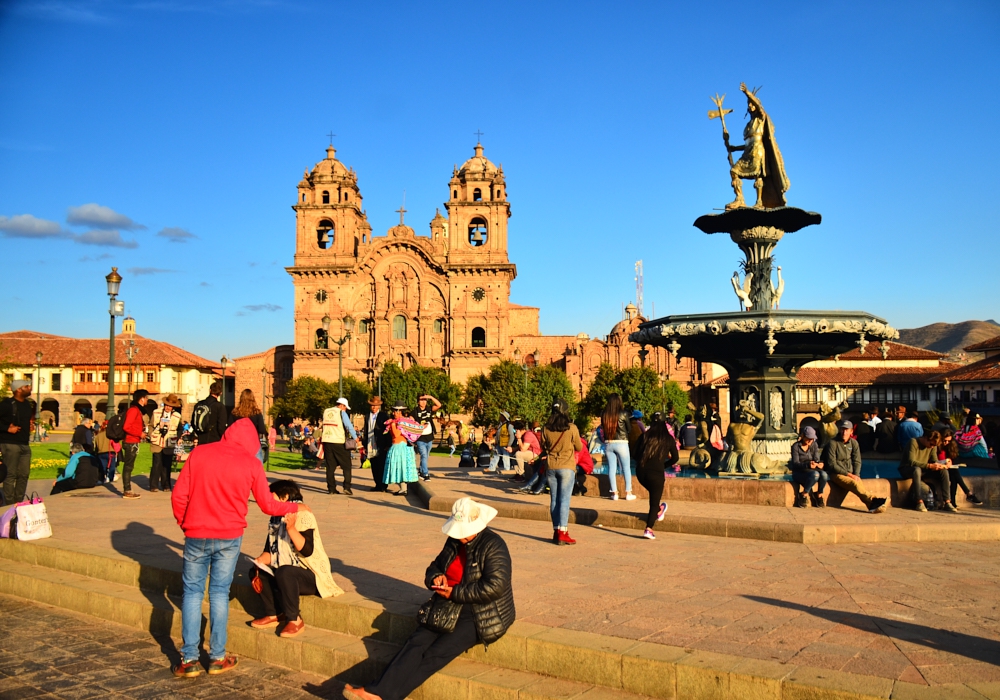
[(760, 160)]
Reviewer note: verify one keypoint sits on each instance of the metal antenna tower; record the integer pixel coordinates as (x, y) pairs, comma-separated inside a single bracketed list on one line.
[(638, 285)]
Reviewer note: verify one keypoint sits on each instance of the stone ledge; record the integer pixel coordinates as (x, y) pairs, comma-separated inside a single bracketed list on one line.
[(511, 668)]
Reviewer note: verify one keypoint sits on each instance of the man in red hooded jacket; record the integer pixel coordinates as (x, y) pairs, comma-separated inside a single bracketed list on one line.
[(210, 504)]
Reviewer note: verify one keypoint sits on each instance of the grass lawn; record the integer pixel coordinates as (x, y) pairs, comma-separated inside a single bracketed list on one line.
[(48, 458)]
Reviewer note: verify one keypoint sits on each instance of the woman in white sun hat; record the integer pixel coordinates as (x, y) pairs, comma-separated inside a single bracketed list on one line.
[(473, 603)]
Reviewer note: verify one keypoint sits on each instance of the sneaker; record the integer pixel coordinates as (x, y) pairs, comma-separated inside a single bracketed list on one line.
[(262, 623), (117, 477), (293, 628), (948, 506), (614, 495), (226, 663), (921, 508), (877, 505), (348, 492), (131, 494), (663, 512), (630, 496), (426, 477), (818, 501), (648, 534), (972, 498), (187, 669)]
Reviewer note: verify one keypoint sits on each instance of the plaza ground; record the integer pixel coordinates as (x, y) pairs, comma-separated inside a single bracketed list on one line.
[(889, 619)]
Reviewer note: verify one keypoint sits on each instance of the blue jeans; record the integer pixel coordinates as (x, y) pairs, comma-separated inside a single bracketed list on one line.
[(561, 483), (618, 458), (807, 479), (424, 449), (203, 557)]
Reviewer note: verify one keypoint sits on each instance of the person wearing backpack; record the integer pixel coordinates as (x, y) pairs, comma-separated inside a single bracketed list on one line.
[(134, 427), (17, 420), (209, 417)]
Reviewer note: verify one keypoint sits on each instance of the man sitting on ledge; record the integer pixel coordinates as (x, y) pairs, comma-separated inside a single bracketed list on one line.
[(842, 460)]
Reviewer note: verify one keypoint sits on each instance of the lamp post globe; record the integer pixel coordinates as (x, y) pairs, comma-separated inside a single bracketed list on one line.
[(114, 282)]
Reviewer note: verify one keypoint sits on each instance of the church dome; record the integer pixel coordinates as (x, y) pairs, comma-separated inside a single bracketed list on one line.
[(330, 167), (478, 166)]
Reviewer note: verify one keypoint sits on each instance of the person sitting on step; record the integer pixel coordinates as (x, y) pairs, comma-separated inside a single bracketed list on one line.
[(292, 564), (807, 470)]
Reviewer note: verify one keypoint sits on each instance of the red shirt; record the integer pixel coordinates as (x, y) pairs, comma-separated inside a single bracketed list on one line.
[(134, 427), (456, 568), (210, 498)]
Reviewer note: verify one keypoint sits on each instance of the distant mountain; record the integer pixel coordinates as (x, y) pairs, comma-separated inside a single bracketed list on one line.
[(949, 338)]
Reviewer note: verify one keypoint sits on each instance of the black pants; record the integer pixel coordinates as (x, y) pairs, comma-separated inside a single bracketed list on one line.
[(955, 476), (651, 480), (424, 654), (287, 584), (335, 454), (931, 477), (129, 452), (378, 470), (159, 472)]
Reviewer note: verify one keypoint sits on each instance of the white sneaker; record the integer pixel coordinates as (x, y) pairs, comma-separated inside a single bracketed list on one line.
[(117, 477), (648, 534), (629, 496), (614, 495)]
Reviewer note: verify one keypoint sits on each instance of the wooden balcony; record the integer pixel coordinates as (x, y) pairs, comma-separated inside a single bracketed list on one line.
[(121, 388)]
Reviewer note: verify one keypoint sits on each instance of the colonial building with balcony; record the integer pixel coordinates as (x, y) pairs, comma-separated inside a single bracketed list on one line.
[(976, 386), (71, 374)]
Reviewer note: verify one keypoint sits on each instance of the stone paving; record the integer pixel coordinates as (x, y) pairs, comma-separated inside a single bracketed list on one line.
[(925, 613), (49, 653)]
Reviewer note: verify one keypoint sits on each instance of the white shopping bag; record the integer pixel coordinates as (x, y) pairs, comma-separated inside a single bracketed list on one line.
[(32, 521)]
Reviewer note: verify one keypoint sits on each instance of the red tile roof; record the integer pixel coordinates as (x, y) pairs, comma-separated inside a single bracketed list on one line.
[(990, 344), (21, 346), (866, 376), (897, 351), (984, 370)]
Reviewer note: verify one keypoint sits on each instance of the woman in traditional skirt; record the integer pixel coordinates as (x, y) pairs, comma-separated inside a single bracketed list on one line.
[(400, 466)]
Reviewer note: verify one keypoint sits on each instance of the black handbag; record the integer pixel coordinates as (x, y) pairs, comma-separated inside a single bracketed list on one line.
[(439, 614)]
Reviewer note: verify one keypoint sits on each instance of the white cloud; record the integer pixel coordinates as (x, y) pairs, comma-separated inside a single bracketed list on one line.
[(176, 235), (112, 239), (139, 271), (262, 307), (28, 226), (97, 216), (102, 256)]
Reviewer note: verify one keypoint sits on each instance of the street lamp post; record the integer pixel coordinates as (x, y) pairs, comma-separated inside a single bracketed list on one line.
[(378, 368), (38, 396), (131, 350), (947, 399), (224, 360), (114, 281), (348, 321)]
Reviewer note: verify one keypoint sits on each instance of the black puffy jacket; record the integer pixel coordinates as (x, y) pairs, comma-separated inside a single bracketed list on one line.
[(485, 585)]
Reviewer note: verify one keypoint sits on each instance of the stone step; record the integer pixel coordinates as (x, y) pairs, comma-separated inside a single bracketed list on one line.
[(351, 637), (318, 651)]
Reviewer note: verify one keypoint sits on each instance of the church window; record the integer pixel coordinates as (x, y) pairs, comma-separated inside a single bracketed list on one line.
[(347, 196), (324, 234), (454, 194), (363, 326), (322, 339), (399, 328), (303, 196), (438, 325), (477, 195), (321, 296), (286, 369), (478, 337), (477, 232), (326, 197)]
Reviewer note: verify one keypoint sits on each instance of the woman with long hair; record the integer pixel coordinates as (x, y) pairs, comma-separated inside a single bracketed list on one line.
[(657, 451), (615, 427), (248, 408), (561, 440), (947, 455)]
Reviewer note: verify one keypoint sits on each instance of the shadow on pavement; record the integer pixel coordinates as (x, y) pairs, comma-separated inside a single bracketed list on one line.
[(976, 648), (160, 563)]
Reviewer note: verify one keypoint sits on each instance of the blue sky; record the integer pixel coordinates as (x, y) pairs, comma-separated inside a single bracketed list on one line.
[(167, 138)]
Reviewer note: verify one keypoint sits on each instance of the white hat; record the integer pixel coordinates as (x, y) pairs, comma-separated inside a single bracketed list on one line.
[(18, 383), (468, 518), (342, 400)]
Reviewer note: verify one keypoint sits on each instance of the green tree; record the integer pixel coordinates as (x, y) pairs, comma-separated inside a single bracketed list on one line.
[(405, 387), (505, 387), (639, 387), (305, 397)]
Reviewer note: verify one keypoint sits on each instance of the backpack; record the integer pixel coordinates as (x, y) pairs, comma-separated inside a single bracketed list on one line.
[(200, 418), (466, 461), (116, 427)]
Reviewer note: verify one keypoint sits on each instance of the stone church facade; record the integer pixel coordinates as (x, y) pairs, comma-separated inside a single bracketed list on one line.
[(441, 300)]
